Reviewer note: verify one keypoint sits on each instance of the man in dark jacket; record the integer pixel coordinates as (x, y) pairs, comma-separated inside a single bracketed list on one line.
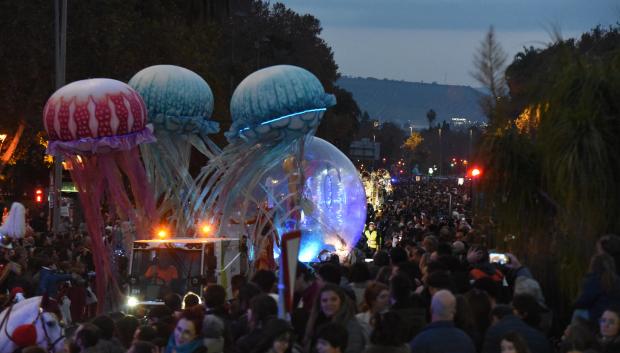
[(441, 336), (536, 341)]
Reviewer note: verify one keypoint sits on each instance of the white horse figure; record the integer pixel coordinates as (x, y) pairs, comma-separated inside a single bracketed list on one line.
[(50, 335)]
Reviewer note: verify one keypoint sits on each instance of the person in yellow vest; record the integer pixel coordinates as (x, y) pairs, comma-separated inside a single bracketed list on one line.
[(372, 237)]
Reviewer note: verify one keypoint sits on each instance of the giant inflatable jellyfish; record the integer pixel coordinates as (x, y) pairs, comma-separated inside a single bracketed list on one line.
[(179, 104), (97, 125), (264, 181)]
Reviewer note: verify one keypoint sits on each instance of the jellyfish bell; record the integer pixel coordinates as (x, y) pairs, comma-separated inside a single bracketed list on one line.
[(95, 116), (178, 100), (276, 103)]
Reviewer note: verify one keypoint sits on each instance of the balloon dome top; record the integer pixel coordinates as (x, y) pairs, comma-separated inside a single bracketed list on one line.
[(93, 108), (95, 116), (273, 93), (178, 100)]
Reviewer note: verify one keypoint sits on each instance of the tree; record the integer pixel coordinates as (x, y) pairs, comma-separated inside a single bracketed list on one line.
[(413, 141), (340, 122), (431, 116), (489, 62), (551, 157)]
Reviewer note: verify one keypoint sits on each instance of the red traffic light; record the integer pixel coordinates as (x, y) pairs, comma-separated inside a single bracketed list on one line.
[(38, 195)]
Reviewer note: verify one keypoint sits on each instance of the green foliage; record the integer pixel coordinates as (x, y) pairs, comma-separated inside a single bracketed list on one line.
[(554, 183)]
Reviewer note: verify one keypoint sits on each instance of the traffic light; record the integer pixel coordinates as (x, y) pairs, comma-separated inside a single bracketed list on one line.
[(38, 195)]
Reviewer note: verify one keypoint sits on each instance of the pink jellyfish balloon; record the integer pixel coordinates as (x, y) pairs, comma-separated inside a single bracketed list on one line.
[(96, 125)]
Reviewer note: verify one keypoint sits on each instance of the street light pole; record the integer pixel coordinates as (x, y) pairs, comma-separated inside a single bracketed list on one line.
[(60, 51), (440, 152)]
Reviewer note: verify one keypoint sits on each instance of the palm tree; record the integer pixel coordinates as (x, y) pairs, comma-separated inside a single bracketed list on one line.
[(431, 116)]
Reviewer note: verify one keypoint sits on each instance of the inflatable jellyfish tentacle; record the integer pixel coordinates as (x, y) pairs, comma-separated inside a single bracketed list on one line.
[(179, 104)]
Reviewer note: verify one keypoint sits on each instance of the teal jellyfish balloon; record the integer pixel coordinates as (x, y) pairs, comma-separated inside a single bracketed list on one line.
[(274, 111), (179, 105)]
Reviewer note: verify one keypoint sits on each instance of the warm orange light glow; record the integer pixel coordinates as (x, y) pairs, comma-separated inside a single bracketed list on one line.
[(162, 233), (475, 172), (206, 229)]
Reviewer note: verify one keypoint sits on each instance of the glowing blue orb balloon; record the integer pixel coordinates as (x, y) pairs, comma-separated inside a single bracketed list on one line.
[(333, 203), (178, 100), (276, 101)]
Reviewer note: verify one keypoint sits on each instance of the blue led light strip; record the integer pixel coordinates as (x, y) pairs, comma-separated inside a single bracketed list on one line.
[(287, 116)]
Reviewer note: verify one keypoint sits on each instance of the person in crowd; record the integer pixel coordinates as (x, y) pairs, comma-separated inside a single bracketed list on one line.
[(262, 309), (144, 333), (107, 342), (125, 329), (609, 324), (372, 237), (507, 321), (186, 335), (387, 335), (86, 338), (464, 320), (579, 337), (160, 271), (240, 325), (412, 314), (332, 273), (333, 305), (190, 299), (306, 287), (359, 277), (380, 259), (512, 342), (332, 338), (143, 347), (528, 309), (480, 305), (600, 288), (376, 300), (278, 337), (610, 244), (441, 335), (49, 278), (213, 333)]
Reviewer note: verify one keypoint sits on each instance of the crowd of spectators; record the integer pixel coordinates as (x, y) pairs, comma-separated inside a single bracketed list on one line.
[(432, 286)]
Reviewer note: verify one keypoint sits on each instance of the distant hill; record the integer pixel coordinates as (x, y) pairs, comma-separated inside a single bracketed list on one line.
[(400, 101)]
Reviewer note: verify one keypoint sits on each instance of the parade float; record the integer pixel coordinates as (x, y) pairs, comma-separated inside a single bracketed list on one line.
[(274, 177), (97, 125)]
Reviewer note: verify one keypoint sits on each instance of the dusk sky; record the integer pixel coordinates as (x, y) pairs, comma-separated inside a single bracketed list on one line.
[(435, 40)]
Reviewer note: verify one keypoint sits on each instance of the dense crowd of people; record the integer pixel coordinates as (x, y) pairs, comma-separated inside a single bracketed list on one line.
[(432, 286)]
